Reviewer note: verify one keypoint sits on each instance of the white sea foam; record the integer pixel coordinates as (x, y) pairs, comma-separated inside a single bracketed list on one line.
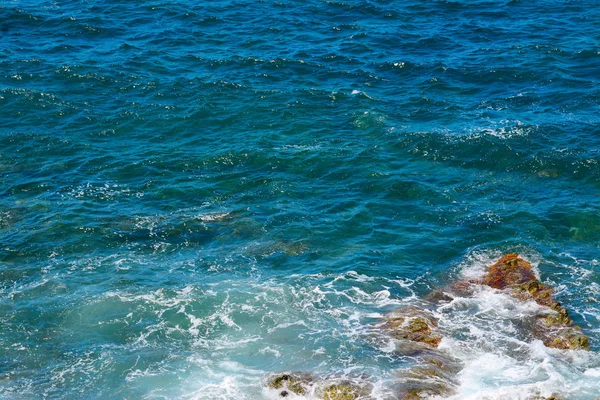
[(215, 217), (102, 191)]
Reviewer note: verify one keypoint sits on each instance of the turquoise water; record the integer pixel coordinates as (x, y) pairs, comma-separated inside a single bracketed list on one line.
[(194, 196)]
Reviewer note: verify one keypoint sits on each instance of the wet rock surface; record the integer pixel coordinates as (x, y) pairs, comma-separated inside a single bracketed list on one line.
[(299, 383), (413, 324), (510, 270), (555, 328), (345, 390), (418, 334), (326, 388), (434, 377)]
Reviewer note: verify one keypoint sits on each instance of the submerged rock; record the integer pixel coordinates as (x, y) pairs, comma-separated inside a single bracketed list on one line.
[(427, 382), (419, 335), (435, 377), (305, 384), (340, 392), (413, 324), (444, 365), (461, 288), (552, 397), (426, 392), (299, 383), (345, 390)]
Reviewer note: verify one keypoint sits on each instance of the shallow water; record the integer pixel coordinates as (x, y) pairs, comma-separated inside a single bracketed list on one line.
[(194, 196)]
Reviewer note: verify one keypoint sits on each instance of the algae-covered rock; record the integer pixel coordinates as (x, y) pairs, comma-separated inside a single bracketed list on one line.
[(413, 324), (295, 382), (326, 388), (534, 290), (569, 338), (340, 392), (559, 318), (357, 389)]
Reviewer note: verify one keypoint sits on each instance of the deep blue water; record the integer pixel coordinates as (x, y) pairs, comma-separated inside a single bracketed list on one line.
[(194, 195)]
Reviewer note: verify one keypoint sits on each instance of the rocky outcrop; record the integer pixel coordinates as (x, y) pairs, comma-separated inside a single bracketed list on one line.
[(509, 271), (418, 335), (555, 328)]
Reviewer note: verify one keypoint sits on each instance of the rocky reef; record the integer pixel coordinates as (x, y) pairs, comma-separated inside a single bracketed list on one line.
[(554, 327), (417, 335)]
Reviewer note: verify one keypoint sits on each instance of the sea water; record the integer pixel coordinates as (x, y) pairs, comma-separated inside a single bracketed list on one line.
[(195, 195)]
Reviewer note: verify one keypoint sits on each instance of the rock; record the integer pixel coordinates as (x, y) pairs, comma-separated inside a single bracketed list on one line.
[(419, 337), (560, 318), (435, 376), (448, 367), (555, 328), (296, 382), (341, 391), (510, 270), (427, 381), (462, 288), (567, 338), (534, 290), (413, 324), (439, 296), (333, 388), (302, 383)]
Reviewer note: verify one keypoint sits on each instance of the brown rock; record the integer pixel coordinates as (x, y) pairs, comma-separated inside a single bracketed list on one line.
[(555, 329), (510, 270)]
